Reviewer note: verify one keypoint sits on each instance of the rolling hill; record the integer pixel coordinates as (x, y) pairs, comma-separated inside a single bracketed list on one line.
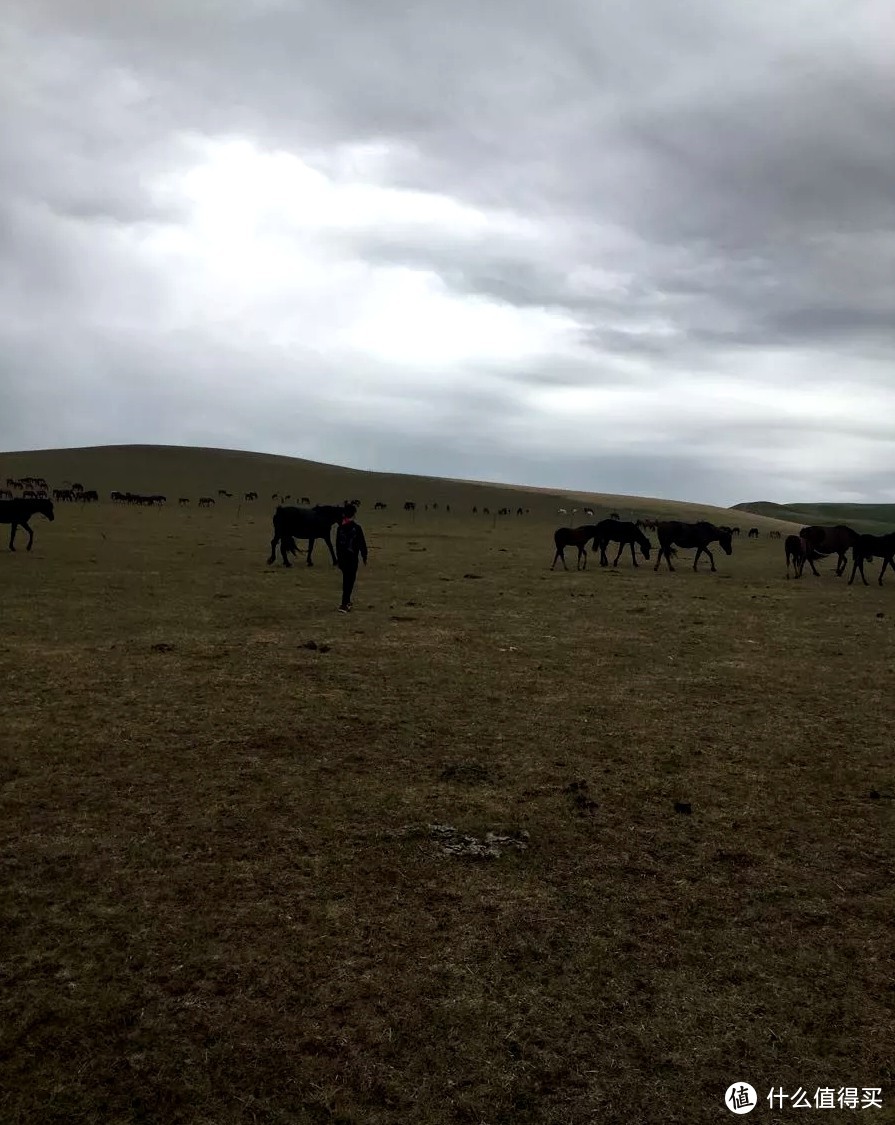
[(192, 472), (872, 518)]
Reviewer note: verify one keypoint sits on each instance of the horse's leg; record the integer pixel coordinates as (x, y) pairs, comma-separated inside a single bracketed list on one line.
[(621, 547), (699, 551), (27, 527), (12, 535), (633, 556), (273, 551), (887, 561), (331, 551), (604, 543), (311, 543), (582, 554), (854, 569), (711, 557), (811, 564)]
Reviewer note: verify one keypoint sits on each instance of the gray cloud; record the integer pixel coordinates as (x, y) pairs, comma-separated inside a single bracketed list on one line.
[(699, 192)]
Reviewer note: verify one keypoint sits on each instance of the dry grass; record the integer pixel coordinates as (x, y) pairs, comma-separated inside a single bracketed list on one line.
[(222, 900)]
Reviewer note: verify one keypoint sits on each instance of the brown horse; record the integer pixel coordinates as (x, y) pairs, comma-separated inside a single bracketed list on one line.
[(573, 537), (868, 547), (697, 535), (798, 552), (836, 540)]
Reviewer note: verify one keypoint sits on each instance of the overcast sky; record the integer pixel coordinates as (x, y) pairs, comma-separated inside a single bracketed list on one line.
[(645, 248)]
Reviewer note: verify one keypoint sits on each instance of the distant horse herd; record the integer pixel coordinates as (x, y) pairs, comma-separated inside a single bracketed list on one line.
[(307, 523), (810, 545), (671, 533)]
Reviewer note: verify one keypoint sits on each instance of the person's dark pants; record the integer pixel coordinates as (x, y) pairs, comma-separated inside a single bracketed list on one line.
[(349, 575)]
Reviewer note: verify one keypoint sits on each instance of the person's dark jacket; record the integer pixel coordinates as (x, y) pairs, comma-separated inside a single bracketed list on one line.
[(350, 543)]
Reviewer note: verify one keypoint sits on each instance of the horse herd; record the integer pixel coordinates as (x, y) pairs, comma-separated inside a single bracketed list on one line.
[(671, 533), (811, 544)]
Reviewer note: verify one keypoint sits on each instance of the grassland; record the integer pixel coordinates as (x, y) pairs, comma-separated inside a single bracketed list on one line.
[(223, 900)]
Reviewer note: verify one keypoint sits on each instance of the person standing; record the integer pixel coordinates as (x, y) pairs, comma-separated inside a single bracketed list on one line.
[(350, 544)]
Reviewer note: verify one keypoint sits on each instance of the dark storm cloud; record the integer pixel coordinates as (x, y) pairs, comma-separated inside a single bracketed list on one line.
[(700, 186)]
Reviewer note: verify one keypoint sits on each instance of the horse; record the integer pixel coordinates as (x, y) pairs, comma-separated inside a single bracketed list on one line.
[(798, 552), (697, 535), (828, 541), (868, 547), (572, 537), (18, 512), (312, 524), (753, 533), (625, 534)]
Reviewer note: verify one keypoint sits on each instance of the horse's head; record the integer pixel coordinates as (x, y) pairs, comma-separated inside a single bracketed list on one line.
[(45, 507), (725, 541), (645, 545)]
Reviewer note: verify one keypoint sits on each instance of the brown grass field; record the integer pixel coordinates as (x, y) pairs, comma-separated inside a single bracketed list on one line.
[(223, 900)]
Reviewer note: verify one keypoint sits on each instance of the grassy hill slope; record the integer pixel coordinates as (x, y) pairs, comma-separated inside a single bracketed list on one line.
[(192, 472), (873, 518)]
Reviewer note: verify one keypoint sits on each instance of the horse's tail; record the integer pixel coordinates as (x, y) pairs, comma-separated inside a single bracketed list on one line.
[(288, 545)]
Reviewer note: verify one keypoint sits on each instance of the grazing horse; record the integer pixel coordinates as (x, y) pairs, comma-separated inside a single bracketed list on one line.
[(572, 537), (697, 535), (206, 502), (868, 547), (625, 534), (836, 540), (753, 533), (18, 512), (312, 524), (798, 552)]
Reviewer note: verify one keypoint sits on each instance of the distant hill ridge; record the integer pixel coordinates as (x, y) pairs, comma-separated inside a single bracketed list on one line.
[(872, 518), (190, 471)]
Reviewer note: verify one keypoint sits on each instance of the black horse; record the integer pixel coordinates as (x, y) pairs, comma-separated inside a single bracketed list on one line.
[(697, 535), (868, 547), (312, 524), (572, 537), (18, 512), (625, 534), (828, 541)]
